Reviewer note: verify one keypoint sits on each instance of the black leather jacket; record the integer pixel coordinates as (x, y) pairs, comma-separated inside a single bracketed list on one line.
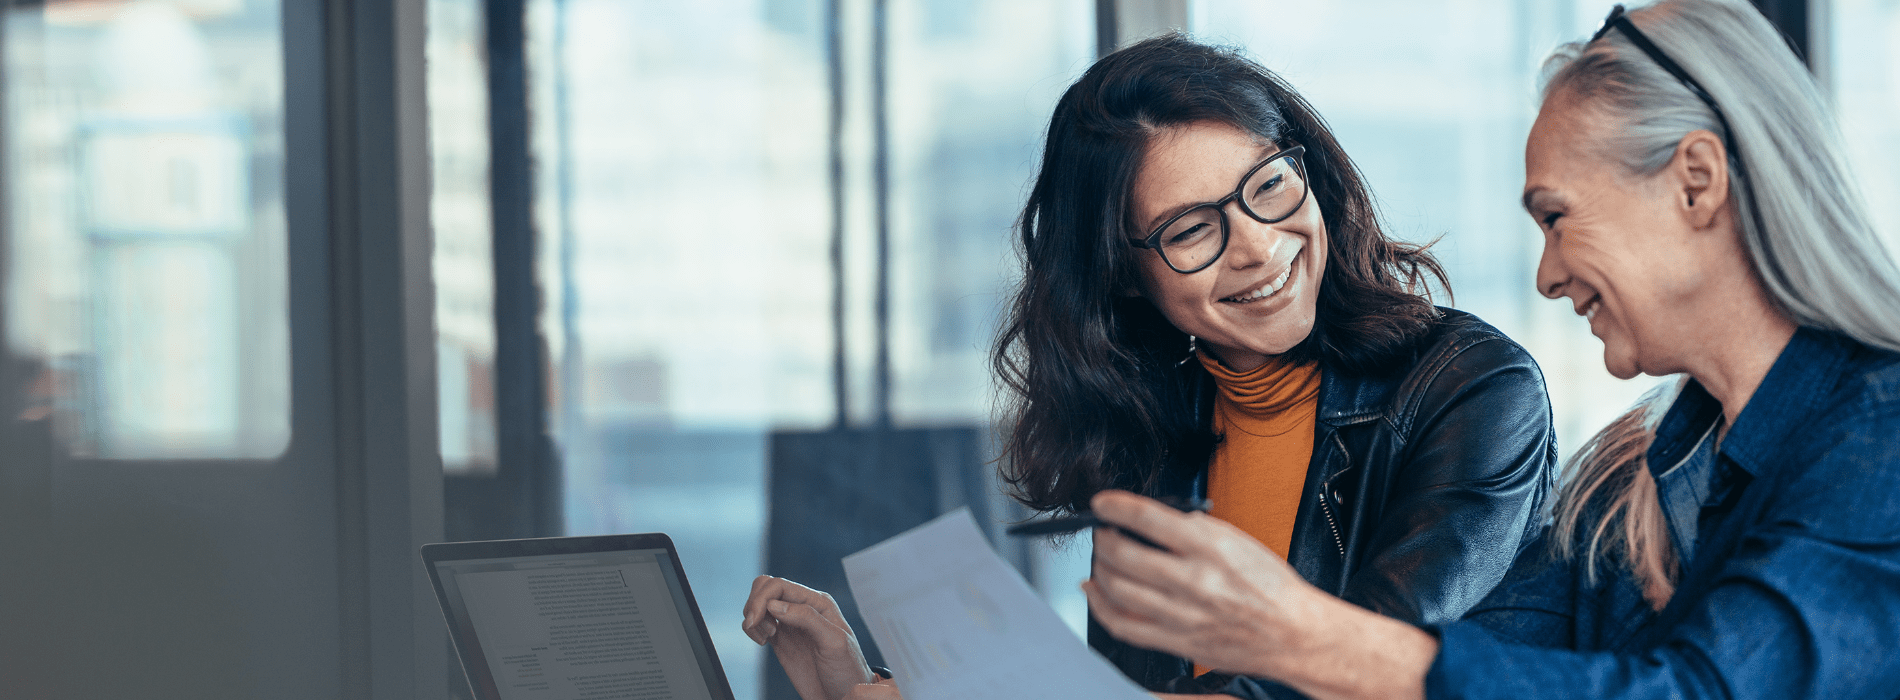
[(1424, 483)]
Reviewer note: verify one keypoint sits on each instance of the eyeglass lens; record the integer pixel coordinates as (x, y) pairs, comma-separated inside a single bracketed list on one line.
[(1270, 194)]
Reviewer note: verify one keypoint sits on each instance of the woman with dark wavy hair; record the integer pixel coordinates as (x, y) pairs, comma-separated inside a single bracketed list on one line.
[(1210, 310)]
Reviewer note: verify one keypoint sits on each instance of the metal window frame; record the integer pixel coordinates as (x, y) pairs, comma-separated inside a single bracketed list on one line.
[(1795, 19), (1119, 23), (523, 496), (357, 182)]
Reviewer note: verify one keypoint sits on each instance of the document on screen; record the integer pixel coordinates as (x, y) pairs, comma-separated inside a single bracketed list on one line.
[(586, 632), (954, 621)]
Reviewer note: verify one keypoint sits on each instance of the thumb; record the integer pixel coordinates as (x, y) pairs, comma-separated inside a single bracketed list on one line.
[(874, 691)]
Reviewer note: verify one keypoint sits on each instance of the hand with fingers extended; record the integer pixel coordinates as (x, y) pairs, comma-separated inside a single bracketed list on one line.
[(811, 638), (1219, 597)]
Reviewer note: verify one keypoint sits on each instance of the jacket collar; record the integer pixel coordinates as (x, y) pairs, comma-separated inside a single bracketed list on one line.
[(1344, 398), (1349, 399)]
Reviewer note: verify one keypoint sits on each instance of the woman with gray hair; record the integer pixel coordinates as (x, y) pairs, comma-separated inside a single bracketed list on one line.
[(1741, 541)]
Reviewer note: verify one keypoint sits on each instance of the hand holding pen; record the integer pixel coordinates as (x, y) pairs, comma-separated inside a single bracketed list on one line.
[(1070, 523)]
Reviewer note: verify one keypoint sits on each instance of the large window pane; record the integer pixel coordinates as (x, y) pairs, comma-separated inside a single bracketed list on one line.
[(685, 217), (971, 86), (685, 229), (1433, 100), (1863, 67), (144, 194)]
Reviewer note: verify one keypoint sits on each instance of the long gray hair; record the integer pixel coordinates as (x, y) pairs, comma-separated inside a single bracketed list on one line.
[(1813, 246)]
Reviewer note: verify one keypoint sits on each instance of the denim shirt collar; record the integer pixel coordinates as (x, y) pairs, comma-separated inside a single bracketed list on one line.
[(1787, 397), (1788, 393), (1683, 428), (1689, 487)]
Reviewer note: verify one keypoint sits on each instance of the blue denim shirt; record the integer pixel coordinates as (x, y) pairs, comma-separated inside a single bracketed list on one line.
[(1789, 535)]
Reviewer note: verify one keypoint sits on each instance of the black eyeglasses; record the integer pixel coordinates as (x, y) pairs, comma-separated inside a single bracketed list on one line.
[(1269, 193), (1619, 19)]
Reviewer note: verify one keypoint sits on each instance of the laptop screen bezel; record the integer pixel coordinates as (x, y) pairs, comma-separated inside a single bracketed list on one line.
[(468, 646)]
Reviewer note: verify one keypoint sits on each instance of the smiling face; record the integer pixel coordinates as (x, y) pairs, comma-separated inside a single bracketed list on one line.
[(1631, 252), (1259, 299)]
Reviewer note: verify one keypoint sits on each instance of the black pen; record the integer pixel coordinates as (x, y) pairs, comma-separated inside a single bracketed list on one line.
[(1071, 523)]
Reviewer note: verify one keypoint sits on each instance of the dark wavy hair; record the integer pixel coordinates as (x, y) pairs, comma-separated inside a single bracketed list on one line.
[(1094, 397)]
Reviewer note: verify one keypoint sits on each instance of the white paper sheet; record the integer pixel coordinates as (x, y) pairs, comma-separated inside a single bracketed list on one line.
[(955, 622)]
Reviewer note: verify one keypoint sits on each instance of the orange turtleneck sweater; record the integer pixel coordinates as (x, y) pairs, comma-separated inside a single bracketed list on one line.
[(1265, 418)]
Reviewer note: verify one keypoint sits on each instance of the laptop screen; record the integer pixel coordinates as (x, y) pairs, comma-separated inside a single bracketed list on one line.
[(586, 625)]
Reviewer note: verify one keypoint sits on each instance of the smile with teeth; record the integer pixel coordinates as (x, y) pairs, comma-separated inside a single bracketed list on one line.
[(1265, 290), (1590, 309)]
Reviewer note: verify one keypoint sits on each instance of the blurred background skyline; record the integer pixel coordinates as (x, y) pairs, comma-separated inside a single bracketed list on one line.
[(750, 219)]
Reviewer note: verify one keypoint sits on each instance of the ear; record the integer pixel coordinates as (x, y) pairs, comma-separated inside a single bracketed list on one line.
[(1700, 167)]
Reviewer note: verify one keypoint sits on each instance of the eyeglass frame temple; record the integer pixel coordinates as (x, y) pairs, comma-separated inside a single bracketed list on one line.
[(1619, 19)]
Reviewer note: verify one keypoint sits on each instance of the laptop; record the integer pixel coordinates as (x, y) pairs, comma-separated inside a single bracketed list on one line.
[(575, 618)]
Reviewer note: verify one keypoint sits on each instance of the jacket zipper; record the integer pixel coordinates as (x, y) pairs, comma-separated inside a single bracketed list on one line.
[(1327, 508), (1326, 487)]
